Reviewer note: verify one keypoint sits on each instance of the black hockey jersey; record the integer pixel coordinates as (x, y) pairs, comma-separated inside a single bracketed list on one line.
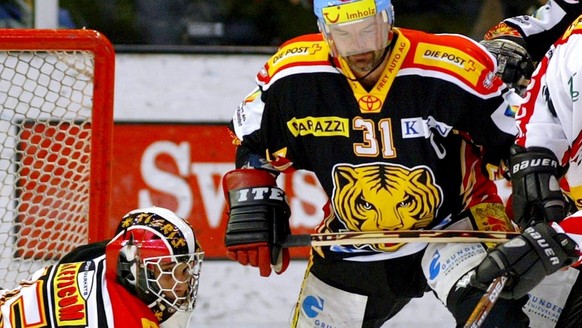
[(407, 154)]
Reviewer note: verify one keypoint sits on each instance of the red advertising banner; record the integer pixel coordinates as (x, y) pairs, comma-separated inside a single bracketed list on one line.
[(179, 166)]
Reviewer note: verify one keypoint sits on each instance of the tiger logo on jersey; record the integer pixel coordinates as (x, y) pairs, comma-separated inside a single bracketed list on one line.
[(385, 196)]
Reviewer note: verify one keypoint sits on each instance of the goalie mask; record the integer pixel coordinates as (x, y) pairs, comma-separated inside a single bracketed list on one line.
[(159, 260), (353, 27)]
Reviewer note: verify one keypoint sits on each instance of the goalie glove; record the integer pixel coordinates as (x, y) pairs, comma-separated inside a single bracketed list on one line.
[(258, 220), (526, 259), (536, 193)]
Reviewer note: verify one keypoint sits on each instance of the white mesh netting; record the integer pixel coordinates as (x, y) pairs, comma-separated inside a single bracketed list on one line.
[(45, 144)]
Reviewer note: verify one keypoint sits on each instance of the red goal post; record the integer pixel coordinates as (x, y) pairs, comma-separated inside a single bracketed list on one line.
[(56, 125)]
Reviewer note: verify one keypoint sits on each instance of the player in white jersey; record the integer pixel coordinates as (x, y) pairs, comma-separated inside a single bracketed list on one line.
[(549, 145), (550, 119), (520, 42)]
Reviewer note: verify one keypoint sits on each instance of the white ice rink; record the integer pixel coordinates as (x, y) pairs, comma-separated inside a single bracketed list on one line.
[(235, 296)]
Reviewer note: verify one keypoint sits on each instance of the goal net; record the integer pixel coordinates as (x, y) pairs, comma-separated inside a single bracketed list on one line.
[(56, 103)]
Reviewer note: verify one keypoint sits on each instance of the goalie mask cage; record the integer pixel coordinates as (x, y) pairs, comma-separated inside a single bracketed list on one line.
[(56, 102)]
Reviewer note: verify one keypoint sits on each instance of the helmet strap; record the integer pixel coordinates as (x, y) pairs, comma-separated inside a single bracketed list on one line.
[(126, 264)]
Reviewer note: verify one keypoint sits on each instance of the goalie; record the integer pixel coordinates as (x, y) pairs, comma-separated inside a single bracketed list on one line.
[(146, 276)]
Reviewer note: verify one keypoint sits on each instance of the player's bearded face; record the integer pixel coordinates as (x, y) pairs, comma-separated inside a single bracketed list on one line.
[(362, 36), (364, 63), (361, 43)]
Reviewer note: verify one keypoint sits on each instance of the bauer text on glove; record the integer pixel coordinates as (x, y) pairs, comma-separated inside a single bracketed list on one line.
[(526, 259), (536, 193)]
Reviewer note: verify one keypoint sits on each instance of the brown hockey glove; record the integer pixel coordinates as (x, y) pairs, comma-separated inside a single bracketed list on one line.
[(258, 220)]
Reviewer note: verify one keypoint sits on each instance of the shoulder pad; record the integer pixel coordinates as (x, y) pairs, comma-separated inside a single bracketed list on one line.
[(457, 56), (307, 53), (575, 28)]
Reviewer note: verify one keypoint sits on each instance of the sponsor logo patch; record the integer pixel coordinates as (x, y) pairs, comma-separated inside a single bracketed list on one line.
[(349, 12), (319, 126), (449, 59), (69, 299)]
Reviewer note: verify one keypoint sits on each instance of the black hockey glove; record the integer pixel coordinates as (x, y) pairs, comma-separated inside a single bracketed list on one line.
[(536, 193), (526, 259), (514, 64), (258, 220)]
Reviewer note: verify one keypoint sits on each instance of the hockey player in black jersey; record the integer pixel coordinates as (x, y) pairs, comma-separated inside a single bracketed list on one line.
[(403, 130)]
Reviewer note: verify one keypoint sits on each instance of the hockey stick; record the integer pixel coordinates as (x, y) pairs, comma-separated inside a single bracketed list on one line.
[(486, 302), (404, 236)]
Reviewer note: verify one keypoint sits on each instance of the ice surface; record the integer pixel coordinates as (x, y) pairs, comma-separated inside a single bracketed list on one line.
[(235, 296)]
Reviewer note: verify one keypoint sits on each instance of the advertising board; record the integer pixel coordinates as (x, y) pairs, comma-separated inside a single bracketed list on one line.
[(179, 166)]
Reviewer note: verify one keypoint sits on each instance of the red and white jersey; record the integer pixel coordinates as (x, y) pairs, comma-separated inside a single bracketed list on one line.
[(551, 115), (73, 295)]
